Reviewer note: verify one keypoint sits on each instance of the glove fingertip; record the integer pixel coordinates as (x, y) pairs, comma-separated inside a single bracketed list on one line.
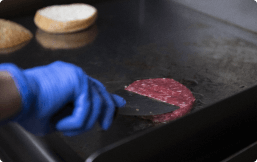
[(62, 124), (106, 125)]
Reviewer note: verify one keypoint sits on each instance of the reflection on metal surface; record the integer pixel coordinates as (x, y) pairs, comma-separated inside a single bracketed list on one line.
[(5, 51), (222, 48), (231, 57), (238, 12), (20, 145), (67, 41)]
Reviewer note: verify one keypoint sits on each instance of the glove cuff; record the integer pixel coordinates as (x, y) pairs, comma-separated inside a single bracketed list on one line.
[(22, 86)]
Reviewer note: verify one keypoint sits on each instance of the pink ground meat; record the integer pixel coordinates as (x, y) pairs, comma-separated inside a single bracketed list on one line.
[(166, 90)]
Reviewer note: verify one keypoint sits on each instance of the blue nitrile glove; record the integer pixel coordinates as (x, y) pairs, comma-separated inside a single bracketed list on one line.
[(46, 89)]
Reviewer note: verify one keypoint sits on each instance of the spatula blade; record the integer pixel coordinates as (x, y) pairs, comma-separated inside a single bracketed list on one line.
[(138, 105)]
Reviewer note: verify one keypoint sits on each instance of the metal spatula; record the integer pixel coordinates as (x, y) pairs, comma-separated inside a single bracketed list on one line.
[(139, 105)]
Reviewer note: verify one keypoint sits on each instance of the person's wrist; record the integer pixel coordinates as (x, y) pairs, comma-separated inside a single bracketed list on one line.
[(21, 84)]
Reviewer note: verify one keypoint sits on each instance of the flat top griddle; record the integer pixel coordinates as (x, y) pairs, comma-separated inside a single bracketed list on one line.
[(151, 39)]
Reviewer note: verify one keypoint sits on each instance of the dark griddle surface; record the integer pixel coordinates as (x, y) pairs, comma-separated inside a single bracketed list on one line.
[(150, 39)]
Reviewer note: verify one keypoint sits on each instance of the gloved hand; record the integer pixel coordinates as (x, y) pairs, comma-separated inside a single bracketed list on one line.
[(45, 90)]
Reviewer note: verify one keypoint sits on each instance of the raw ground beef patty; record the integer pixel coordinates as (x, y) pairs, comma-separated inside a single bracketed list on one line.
[(166, 90)]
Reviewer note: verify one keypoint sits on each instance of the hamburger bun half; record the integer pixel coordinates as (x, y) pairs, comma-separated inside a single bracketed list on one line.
[(65, 18), (13, 34)]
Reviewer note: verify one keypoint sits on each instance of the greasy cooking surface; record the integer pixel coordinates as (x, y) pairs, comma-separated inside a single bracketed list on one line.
[(150, 39)]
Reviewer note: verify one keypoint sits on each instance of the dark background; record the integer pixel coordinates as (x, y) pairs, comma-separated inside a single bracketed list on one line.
[(19, 8)]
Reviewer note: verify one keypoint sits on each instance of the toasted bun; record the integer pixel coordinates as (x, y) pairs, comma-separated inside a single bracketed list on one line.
[(66, 41), (12, 34), (65, 18)]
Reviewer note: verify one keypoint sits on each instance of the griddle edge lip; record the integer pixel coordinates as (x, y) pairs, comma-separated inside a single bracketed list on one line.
[(239, 98)]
